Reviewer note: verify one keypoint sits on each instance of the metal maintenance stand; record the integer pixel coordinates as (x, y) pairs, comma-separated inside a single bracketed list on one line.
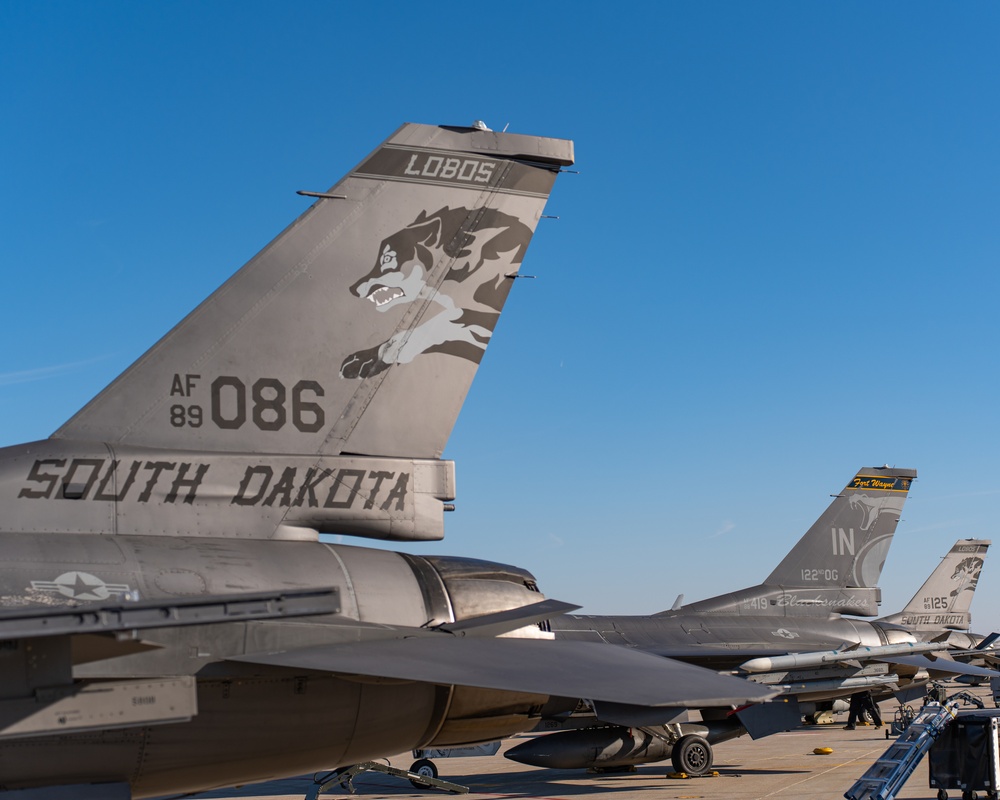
[(887, 775)]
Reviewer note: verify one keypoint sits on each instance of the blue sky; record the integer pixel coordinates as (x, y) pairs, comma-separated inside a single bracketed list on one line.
[(778, 264)]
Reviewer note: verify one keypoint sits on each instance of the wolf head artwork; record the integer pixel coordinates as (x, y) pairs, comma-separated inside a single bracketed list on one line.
[(457, 315)]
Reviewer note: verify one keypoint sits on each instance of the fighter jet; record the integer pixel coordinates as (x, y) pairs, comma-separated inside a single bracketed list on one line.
[(790, 632), (833, 570), (941, 607), (940, 612), (170, 620)]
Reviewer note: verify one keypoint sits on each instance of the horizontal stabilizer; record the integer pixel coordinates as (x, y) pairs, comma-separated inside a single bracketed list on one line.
[(510, 620), (555, 668)]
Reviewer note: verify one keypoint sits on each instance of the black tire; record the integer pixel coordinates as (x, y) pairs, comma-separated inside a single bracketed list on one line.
[(692, 754), (969, 795), (942, 795), (424, 767)]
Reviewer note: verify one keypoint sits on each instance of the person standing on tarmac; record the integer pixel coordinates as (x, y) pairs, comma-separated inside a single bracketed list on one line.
[(860, 703)]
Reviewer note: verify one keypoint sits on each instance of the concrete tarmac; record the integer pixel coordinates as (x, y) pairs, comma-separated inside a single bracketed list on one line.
[(781, 766)]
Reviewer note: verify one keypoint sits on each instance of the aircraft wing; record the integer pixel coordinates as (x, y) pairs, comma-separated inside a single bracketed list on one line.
[(944, 665), (984, 650), (535, 666)]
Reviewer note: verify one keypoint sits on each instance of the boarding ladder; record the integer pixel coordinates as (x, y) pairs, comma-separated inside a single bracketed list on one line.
[(887, 775)]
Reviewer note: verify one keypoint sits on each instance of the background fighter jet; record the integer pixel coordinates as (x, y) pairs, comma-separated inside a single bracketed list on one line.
[(155, 546), (789, 632), (941, 608), (940, 612)]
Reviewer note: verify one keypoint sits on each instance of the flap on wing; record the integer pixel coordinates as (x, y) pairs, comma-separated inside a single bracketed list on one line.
[(556, 668)]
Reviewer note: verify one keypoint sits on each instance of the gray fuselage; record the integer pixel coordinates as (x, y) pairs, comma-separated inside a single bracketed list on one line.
[(257, 722)]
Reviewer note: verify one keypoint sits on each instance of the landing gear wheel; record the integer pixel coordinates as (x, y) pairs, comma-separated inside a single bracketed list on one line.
[(692, 754), (942, 795), (967, 795), (425, 767)]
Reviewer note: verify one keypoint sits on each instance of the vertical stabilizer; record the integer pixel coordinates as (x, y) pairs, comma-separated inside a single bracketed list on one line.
[(359, 329), (834, 568), (848, 544), (944, 600)]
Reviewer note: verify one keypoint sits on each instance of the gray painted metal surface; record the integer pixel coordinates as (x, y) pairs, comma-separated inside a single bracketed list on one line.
[(416, 258), (789, 632), (781, 767), (99, 706), (526, 665), (40, 622), (313, 392), (943, 602)]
